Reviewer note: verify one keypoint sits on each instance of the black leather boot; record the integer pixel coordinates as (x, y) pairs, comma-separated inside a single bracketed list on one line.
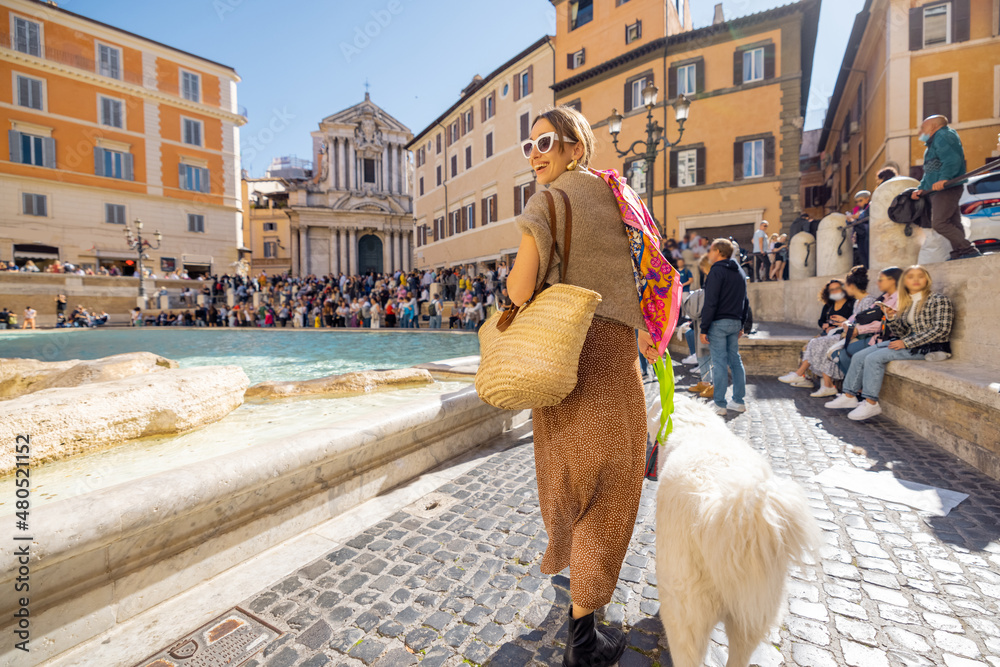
[(590, 644)]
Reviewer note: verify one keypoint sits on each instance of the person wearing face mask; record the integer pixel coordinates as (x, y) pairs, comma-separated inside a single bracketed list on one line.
[(922, 330), (854, 293), (944, 160)]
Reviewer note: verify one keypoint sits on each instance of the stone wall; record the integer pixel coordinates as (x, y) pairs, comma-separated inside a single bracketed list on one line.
[(116, 295)]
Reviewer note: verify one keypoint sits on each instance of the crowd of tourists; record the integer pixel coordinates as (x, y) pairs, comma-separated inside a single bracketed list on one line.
[(406, 300)]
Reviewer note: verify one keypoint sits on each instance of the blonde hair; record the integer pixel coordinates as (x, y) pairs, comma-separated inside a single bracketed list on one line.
[(905, 298), (571, 124), (704, 264)]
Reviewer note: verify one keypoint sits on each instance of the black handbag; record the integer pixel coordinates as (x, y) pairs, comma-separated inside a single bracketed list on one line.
[(873, 314)]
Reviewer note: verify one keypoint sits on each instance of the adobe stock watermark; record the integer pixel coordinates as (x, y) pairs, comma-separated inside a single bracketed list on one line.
[(223, 7), (381, 18), (252, 145)]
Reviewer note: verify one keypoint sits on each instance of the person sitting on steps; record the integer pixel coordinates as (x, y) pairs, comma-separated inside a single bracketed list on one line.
[(922, 326)]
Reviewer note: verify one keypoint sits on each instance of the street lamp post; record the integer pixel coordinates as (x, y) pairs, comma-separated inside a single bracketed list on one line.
[(654, 134), (140, 245)]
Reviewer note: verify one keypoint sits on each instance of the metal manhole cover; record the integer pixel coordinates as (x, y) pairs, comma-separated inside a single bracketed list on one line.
[(228, 640)]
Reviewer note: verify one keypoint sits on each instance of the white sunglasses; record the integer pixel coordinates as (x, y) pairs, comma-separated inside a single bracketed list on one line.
[(543, 143)]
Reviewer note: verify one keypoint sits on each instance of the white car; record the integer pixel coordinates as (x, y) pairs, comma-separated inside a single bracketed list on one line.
[(981, 197)]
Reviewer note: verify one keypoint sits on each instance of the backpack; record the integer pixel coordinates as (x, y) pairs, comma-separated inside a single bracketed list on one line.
[(908, 211), (432, 309)]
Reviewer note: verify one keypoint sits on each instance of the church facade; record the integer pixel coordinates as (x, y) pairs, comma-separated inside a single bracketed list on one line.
[(355, 214)]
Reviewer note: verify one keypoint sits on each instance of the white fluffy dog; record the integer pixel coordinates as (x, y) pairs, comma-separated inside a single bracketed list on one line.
[(727, 531)]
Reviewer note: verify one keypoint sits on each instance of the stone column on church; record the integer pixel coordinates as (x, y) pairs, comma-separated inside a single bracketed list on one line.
[(335, 163), (333, 253), (399, 169), (351, 167), (342, 236), (303, 251), (405, 177), (393, 255), (295, 254), (384, 169), (352, 251), (407, 245), (386, 256)]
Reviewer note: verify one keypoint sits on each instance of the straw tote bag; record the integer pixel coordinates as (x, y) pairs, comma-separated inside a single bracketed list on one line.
[(529, 355)]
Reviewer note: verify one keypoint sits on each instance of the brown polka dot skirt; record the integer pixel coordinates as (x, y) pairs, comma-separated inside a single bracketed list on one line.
[(590, 458)]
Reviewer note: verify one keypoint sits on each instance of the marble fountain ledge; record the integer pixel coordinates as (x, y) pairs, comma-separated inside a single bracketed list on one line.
[(66, 421), (25, 376), (346, 384)]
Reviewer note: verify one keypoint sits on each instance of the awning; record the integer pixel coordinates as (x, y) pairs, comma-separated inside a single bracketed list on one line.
[(196, 260), (22, 254), (35, 251), (110, 254)]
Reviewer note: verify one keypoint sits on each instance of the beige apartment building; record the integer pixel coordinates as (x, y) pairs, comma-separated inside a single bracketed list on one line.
[(470, 178)]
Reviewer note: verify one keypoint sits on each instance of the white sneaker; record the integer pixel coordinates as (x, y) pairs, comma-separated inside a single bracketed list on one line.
[(865, 410), (824, 391), (690, 360), (791, 378), (736, 407), (804, 384), (721, 411), (842, 402)]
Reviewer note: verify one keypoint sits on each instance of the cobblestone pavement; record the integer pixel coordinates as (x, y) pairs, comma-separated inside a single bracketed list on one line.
[(455, 577)]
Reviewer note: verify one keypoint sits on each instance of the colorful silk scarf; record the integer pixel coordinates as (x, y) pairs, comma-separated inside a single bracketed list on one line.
[(656, 281)]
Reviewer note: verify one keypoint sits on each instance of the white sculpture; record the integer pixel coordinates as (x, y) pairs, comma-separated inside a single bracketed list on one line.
[(802, 256), (834, 250), (887, 240)]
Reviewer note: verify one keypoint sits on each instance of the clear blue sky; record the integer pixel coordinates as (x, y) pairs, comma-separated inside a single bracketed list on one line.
[(295, 70)]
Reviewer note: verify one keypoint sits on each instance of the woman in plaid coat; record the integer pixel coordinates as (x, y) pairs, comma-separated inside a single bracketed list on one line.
[(921, 329)]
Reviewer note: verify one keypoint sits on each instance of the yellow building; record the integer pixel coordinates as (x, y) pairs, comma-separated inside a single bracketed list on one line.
[(747, 78), (470, 178), (103, 127), (906, 60), (267, 227)]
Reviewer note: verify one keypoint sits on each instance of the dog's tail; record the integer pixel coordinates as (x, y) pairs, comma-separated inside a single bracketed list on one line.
[(755, 531)]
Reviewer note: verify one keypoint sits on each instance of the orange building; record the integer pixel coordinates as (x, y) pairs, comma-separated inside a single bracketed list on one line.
[(747, 78), (907, 60), (104, 127)]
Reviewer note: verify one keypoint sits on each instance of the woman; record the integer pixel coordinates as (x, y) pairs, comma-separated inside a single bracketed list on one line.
[(780, 257), (590, 450), (871, 334), (922, 326), (816, 355), (376, 314)]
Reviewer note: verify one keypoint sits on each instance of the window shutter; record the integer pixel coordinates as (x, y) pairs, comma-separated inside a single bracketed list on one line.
[(14, 139), (180, 176), (525, 126), (461, 125), (517, 200), (769, 61), (700, 166), (206, 185), (699, 76), (468, 157), (486, 213), (127, 167), (531, 79), (937, 98), (738, 161), (98, 161), (672, 83), (769, 156), (960, 20), (471, 121), (628, 97), (738, 68), (916, 28), (482, 109), (531, 189), (673, 169), (493, 209), (517, 87), (463, 219), (493, 96), (569, 61)]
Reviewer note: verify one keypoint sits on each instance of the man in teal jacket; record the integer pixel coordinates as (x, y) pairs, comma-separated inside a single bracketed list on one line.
[(944, 160)]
